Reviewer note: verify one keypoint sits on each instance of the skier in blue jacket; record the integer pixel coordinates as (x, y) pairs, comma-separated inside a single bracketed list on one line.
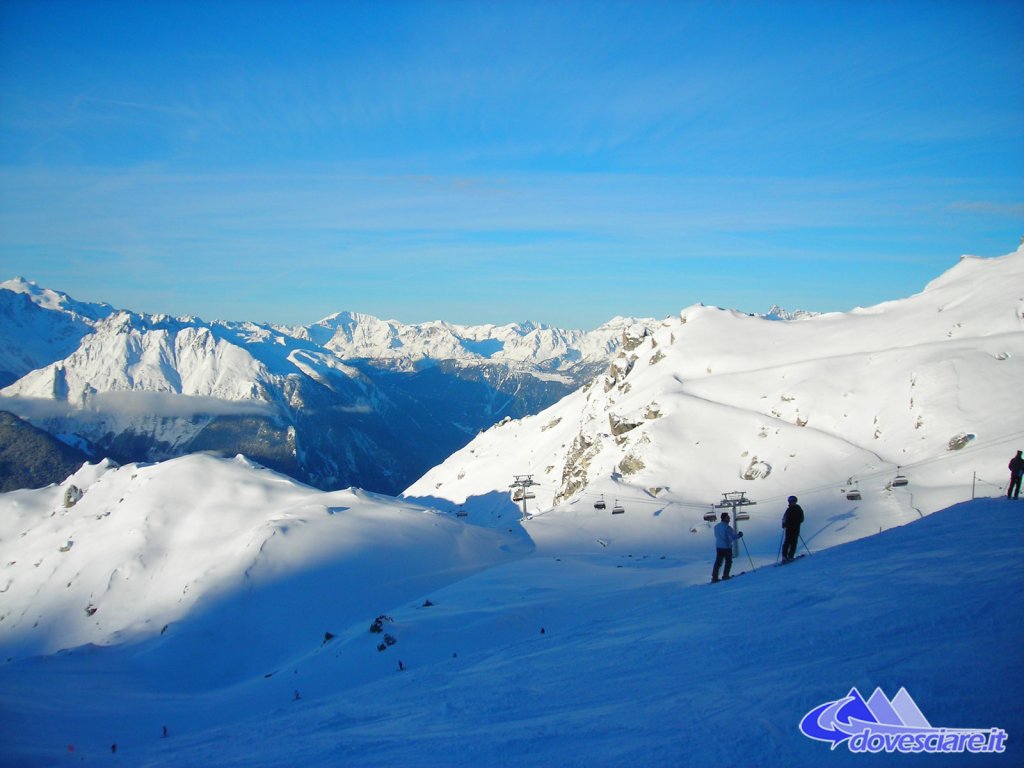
[(724, 538)]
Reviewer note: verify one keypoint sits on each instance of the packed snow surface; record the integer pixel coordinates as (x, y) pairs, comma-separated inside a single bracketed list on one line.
[(501, 654)]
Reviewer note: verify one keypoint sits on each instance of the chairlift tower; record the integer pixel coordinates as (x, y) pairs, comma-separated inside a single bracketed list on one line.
[(732, 500), (522, 485)]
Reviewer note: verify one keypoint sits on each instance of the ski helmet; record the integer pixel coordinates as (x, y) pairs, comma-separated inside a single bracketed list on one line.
[(792, 499)]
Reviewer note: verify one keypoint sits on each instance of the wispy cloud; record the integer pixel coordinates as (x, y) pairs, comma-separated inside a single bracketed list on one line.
[(418, 160), (129, 404), (1012, 210)]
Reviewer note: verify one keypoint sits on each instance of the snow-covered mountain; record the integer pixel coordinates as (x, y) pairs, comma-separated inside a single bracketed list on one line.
[(351, 400), (39, 326), (716, 401), (352, 335), (208, 611)]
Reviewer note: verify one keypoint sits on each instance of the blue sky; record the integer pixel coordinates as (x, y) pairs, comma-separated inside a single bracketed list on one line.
[(494, 162)]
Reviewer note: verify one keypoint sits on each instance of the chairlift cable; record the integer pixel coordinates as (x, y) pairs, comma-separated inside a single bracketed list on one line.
[(887, 472)]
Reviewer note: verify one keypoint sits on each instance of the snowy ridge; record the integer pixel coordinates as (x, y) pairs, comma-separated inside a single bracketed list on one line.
[(146, 547), (56, 301), (30, 338), (352, 335), (716, 401)]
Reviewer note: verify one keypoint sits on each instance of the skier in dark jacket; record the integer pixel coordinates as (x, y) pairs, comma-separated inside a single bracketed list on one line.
[(791, 521), (1016, 467)]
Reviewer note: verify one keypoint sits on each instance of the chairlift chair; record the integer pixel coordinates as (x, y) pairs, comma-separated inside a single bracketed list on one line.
[(710, 516), (853, 494), (599, 504), (618, 509), (461, 513), (900, 480), (742, 515)]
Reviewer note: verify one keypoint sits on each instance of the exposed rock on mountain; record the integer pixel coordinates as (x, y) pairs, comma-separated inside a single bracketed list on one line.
[(714, 401)]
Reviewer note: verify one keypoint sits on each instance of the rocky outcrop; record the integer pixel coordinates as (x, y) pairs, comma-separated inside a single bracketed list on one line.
[(577, 461)]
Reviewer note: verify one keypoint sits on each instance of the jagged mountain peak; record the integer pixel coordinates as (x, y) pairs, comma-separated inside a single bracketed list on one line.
[(779, 313), (360, 336)]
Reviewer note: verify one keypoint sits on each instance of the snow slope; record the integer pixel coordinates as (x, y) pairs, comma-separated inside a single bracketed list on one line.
[(717, 401), (148, 547), (572, 660)]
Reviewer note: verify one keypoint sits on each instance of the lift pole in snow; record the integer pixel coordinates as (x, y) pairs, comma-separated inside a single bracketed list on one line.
[(732, 500), (522, 485)]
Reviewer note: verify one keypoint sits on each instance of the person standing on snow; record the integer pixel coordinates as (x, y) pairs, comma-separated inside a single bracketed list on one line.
[(1016, 467), (724, 538), (791, 522)]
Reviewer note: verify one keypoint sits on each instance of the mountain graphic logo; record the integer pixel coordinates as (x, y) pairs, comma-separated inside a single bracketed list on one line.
[(881, 724)]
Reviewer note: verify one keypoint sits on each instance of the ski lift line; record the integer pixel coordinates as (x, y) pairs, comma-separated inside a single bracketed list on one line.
[(983, 481), (639, 500), (887, 472), (1010, 437), (654, 502), (632, 499)]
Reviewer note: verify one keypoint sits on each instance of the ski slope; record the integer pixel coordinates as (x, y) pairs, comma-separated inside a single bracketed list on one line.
[(610, 659), (715, 401)]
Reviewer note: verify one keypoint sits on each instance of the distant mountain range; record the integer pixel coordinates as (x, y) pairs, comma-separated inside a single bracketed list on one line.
[(350, 400)]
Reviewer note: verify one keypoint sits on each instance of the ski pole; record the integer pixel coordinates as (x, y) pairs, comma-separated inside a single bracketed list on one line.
[(805, 544), (778, 557), (752, 566)]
